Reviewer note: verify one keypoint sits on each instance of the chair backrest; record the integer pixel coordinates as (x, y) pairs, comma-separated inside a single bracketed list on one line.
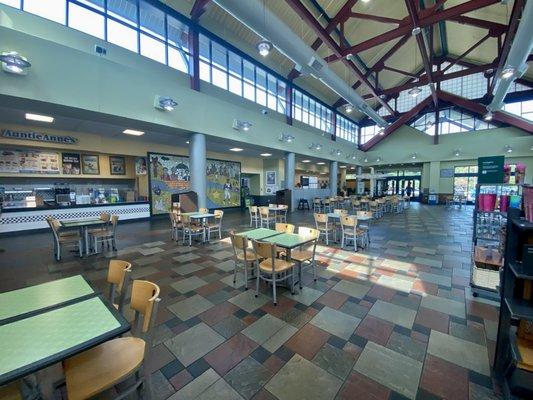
[(172, 216), (263, 211), (218, 214), (114, 223), (253, 210), (118, 277), (144, 301), (340, 211), (304, 230), (272, 205), (265, 250), (203, 210), (54, 225), (284, 228), (348, 221), (317, 201), (105, 217), (238, 241), (186, 219), (321, 218)]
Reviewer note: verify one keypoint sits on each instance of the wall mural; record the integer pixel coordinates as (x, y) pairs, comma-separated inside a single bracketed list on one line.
[(223, 184), (170, 174)]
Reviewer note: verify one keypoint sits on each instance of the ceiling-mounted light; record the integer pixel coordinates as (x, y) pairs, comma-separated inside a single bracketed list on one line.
[(348, 108), (320, 163), (241, 125), (381, 132), (264, 47), (365, 160), (456, 152), (164, 103), (315, 146), (342, 166), (38, 117), (508, 149), (14, 63), (378, 159), (265, 154), (235, 149), (133, 132), (306, 161), (414, 92), (416, 30), (285, 137), (413, 156), (488, 116), (508, 73), (336, 152)]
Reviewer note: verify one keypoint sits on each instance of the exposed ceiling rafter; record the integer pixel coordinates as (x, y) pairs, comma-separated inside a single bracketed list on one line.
[(199, 7)]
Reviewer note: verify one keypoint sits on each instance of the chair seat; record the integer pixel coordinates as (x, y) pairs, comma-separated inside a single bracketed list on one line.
[(302, 255), (525, 349), (101, 234), (250, 256), (213, 225), (69, 239), (102, 367), (68, 234), (194, 228), (280, 265)]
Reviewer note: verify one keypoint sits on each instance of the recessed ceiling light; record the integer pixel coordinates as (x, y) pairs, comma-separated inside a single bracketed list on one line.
[(320, 163), (306, 161), (348, 108), (342, 166), (40, 118), (265, 154), (133, 132), (235, 149), (187, 142)]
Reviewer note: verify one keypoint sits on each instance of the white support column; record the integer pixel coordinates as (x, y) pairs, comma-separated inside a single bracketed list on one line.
[(197, 156), (290, 171), (333, 170)]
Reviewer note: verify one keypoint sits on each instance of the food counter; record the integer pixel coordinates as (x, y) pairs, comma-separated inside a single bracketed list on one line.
[(28, 218)]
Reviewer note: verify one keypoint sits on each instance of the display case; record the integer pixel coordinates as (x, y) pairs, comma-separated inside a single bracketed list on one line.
[(489, 233)]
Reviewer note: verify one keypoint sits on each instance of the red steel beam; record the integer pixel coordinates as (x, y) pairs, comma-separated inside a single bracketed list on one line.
[(480, 109), (306, 15), (411, 7), (494, 28), (377, 66), (427, 17), (399, 71), (199, 7), (452, 63), (376, 18), (405, 118), (511, 31)]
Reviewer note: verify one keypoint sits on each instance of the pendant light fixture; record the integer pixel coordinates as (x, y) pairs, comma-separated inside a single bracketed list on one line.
[(264, 46)]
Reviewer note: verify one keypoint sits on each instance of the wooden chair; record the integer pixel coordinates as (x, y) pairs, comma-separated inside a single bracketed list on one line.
[(103, 367), (243, 256), (216, 225), (203, 210), (281, 215), (323, 226), (284, 228), (62, 239), (271, 266), (107, 236), (106, 217), (118, 277), (356, 205), (374, 208), (317, 205), (365, 225), (265, 217), (350, 232), (191, 229), (327, 206), (176, 225), (11, 391), (306, 256), (254, 216)]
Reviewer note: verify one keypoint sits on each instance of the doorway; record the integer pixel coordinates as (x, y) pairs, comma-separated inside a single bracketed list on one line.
[(397, 185)]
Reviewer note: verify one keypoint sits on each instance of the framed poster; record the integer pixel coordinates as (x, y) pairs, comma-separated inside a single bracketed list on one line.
[(223, 183), (140, 166), (90, 164), (167, 174), (447, 173), (117, 165), (271, 178), (71, 164)]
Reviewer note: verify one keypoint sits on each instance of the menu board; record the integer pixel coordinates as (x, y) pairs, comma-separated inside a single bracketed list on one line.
[(29, 162)]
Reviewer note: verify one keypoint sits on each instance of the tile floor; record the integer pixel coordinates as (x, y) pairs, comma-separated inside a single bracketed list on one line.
[(394, 321)]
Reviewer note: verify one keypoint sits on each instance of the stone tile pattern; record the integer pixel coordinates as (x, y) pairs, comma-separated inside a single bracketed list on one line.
[(377, 324)]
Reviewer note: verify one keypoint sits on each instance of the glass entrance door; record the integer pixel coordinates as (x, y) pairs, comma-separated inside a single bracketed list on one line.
[(402, 185)]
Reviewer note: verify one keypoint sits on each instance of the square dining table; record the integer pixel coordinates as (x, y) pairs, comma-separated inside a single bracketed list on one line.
[(259, 233), (22, 303), (83, 225), (30, 344)]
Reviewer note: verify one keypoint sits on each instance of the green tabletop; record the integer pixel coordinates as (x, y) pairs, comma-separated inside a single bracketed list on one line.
[(33, 343), (76, 223), (38, 297), (289, 240), (259, 233), (198, 215)]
